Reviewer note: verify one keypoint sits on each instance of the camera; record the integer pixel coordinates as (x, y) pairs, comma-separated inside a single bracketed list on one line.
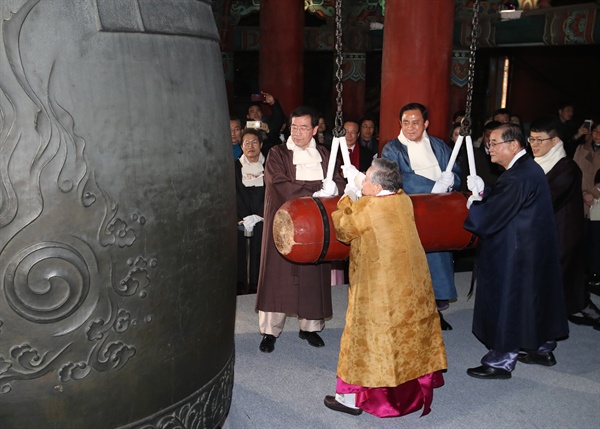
[(588, 124), (257, 97)]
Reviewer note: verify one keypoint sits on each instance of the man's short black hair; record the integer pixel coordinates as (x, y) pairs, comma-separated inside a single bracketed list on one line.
[(415, 106), (458, 114), (253, 103), (501, 111), (367, 118), (546, 124), (306, 111), (492, 125), (565, 103), (260, 134)]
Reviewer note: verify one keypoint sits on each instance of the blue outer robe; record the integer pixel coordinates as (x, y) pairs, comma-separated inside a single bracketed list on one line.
[(519, 302), (441, 264)]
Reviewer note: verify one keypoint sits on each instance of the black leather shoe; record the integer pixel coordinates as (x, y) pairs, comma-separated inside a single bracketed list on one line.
[(312, 337), (442, 304), (267, 345), (581, 319), (332, 404), (545, 359), (489, 372), (445, 325)]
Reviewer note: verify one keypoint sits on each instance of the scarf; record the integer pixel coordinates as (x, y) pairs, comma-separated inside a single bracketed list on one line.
[(422, 159), (253, 172), (548, 161), (307, 161)]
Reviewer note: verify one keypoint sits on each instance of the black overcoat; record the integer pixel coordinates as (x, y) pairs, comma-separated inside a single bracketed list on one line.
[(519, 302)]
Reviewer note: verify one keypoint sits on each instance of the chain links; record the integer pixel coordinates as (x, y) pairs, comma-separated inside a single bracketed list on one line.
[(465, 124), (338, 130)]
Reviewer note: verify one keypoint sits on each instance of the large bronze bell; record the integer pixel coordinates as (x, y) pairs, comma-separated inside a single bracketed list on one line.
[(117, 216)]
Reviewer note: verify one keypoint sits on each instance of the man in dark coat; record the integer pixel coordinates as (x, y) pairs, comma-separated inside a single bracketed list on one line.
[(294, 169), (250, 197), (519, 305), (564, 177)]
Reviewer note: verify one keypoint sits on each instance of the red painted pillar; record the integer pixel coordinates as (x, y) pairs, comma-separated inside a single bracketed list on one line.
[(281, 51), (417, 51)]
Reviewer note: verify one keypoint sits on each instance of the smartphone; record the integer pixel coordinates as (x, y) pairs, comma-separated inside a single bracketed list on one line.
[(254, 124), (257, 97), (588, 124)]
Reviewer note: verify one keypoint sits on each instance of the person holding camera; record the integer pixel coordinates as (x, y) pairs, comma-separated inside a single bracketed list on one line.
[(270, 124)]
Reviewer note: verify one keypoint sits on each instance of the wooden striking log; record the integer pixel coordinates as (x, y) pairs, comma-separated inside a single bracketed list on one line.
[(303, 230)]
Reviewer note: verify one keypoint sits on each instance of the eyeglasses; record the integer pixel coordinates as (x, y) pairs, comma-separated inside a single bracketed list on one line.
[(534, 140), (250, 142), (494, 144), (301, 128)]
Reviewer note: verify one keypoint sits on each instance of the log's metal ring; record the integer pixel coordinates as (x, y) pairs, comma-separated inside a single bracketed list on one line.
[(326, 230)]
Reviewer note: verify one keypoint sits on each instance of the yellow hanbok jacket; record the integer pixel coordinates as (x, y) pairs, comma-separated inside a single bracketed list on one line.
[(392, 333)]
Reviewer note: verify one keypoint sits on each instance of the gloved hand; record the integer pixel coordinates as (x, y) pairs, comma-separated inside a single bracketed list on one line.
[(329, 189), (250, 221), (349, 172), (475, 185), (471, 199), (443, 183), (359, 180), (352, 191)]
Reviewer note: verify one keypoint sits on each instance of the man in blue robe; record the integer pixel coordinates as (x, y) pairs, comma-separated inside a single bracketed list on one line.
[(422, 160), (519, 305)]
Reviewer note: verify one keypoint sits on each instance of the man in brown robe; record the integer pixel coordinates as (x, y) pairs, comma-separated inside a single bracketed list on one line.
[(294, 169)]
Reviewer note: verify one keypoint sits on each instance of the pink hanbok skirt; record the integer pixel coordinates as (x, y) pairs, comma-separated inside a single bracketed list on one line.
[(395, 401)]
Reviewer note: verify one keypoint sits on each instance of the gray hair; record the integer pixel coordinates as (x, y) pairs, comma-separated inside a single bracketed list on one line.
[(386, 173)]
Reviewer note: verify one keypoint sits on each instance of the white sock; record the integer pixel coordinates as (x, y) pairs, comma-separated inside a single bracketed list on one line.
[(347, 399)]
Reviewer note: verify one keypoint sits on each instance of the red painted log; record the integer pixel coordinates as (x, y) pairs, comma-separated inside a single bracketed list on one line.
[(303, 230)]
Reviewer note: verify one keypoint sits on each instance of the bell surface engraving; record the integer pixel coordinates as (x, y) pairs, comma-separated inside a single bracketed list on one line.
[(117, 214)]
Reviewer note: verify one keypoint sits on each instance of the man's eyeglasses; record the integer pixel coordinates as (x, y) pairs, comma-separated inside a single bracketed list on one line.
[(250, 142), (495, 143), (301, 128), (534, 140)]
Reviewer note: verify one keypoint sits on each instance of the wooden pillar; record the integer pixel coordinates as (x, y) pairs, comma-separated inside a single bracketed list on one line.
[(281, 70), (417, 50), (353, 80)]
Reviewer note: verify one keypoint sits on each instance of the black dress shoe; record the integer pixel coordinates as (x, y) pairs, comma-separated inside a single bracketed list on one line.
[(489, 372), (581, 319), (332, 404), (545, 359), (312, 337), (267, 345), (445, 325)]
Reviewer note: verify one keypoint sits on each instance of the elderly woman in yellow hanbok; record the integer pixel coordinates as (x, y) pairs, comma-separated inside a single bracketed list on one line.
[(392, 351)]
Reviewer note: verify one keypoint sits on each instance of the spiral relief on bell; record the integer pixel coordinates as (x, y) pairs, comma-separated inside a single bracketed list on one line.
[(47, 282)]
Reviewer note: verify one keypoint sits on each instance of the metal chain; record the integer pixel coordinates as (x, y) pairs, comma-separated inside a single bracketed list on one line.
[(338, 130), (465, 124)]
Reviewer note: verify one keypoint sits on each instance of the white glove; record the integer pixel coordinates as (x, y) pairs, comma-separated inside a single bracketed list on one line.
[(329, 189), (349, 172), (475, 185), (352, 191), (471, 199), (250, 221), (443, 183), (359, 180)]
